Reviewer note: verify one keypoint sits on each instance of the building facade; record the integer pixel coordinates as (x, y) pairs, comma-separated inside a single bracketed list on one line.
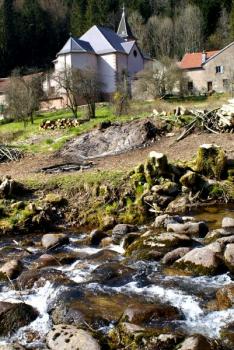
[(210, 71), (105, 52)]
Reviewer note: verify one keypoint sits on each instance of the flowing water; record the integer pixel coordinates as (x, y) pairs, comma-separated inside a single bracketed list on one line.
[(189, 294)]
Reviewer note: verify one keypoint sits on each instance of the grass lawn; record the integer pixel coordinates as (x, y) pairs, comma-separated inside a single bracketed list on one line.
[(33, 139)]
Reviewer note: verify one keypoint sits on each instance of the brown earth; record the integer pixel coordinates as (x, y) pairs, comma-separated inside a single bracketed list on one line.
[(183, 150)]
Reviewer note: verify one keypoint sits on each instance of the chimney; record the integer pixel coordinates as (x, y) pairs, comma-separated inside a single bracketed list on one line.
[(204, 56)]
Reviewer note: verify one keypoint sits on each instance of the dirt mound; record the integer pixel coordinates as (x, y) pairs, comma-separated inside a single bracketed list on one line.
[(115, 139)]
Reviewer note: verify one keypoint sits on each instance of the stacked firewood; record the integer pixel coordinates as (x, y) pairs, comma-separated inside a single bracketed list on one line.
[(59, 124), (219, 120), (8, 153)]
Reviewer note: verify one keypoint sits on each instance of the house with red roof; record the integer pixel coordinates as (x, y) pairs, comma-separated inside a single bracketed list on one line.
[(209, 70)]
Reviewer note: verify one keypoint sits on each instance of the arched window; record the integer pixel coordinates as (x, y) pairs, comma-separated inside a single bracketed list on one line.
[(135, 53)]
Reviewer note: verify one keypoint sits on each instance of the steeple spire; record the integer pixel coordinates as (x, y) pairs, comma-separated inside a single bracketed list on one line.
[(124, 29)]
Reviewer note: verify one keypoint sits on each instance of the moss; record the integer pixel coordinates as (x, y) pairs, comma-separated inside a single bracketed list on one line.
[(211, 161), (54, 199)]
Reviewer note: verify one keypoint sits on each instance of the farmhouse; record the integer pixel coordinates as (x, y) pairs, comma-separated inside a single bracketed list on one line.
[(105, 52), (210, 71)]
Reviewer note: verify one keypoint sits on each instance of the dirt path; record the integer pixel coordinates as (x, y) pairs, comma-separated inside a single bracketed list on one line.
[(183, 150)]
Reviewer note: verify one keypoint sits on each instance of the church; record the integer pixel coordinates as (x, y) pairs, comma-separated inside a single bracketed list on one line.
[(104, 51)]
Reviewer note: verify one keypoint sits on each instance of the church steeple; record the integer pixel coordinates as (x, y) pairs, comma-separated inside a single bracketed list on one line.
[(124, 29)]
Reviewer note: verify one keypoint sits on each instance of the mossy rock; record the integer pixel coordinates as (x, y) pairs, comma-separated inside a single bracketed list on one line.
[(130, 336), (54, 199), (211, 161), (192, 181)]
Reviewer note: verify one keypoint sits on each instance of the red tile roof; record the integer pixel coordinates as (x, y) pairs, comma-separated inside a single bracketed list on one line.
[(194, 60)]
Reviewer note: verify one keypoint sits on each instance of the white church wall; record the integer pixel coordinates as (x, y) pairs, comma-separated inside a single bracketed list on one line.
[(122, 63), (107, 72), (135, 61), (84, 61)]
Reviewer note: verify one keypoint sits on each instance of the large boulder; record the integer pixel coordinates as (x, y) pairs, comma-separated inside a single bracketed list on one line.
[(189, 228), (96, 236), (64, 337), (51, 240), (229, 256), (199, 261), (121, 230), (179, 206), (174, 255), (225, 297), (11, 269), (197, 342), (15, 316), (228, 223)]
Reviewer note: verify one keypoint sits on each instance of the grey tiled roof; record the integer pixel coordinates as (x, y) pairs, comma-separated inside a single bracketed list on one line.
[(76, 45), (128, 45), (103, 40)]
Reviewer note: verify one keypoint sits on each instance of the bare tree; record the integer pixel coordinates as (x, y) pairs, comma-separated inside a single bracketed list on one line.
[(122, 95), (159, 79), (188, 30), (23, 97), (138, 27), (160, 34), (79, 86)]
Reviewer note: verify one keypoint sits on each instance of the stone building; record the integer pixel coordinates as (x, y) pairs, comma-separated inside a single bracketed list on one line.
[(210, 71)]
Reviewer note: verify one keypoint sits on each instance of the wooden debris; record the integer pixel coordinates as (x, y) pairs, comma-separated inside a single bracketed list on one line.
[(8, 153)]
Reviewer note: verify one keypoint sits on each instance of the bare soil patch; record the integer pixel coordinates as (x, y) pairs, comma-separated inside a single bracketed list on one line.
[(183, 150)]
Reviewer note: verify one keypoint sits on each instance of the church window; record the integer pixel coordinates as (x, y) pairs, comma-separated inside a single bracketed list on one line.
[(135, 53)]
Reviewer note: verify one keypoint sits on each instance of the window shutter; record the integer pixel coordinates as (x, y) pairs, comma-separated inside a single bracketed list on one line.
[(222, 69)]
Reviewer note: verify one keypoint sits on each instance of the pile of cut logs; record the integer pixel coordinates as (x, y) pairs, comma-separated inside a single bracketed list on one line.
[(59, 124)]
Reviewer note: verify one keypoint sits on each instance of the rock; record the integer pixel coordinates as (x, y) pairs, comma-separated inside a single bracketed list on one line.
[(168, 188), (53, 240), (27, 279), (105, 242), (211, 161), (104, 255), (225, 297), (193, 181), (45, 260), (54, 199), (12, 347), (113, 274), (130, 238), (121, 230), (64, 337), (217, 234), (15, 316), (134, 337), (174, 255), (189, 228), (229, 257), (150, 312), (197, 342), (216, 247), (12, 268), (159, 243), (227, 335), (96, 236), (162, 221), (200, 261), (179, 206), (228, 223)]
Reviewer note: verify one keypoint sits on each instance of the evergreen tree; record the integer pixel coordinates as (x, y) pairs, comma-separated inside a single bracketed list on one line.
[(7, 37), (77, 18)]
